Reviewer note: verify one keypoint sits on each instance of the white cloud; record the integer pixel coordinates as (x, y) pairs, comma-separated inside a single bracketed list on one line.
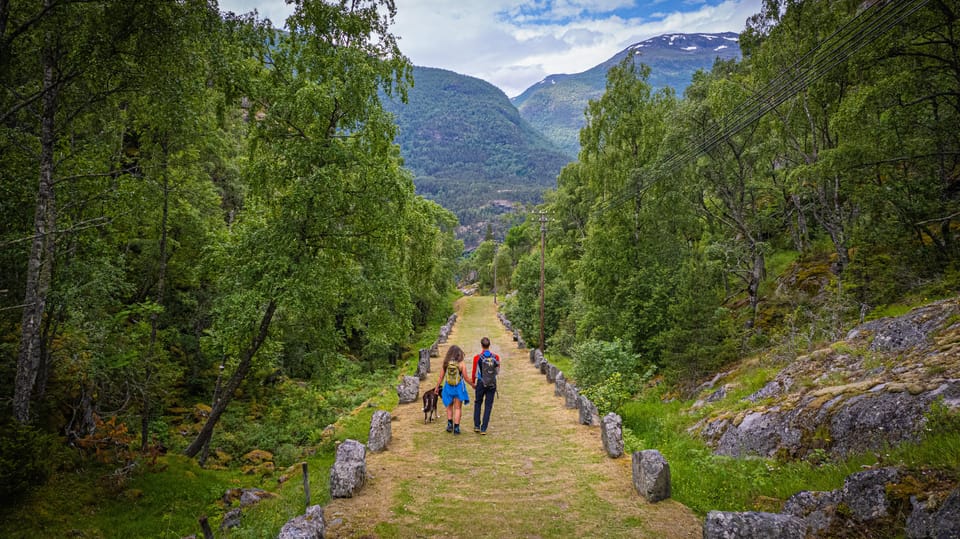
[(514, 44), (275, 10)]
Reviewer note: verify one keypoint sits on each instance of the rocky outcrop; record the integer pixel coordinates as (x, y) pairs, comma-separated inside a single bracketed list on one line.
[(869, 391), (864, 503), (929, 521)]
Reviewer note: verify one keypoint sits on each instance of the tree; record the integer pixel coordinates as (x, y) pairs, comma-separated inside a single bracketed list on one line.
[(67, 67), (319, 240)]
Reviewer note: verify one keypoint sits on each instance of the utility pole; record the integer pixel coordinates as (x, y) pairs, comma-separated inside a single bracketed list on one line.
[(496, 247), (543, 242)]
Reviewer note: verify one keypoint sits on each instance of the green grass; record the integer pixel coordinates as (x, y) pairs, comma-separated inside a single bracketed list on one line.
[(706, 482), (168, 500)]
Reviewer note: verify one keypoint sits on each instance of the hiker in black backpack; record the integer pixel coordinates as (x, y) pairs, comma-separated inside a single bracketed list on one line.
[(487, 365), (454, 381)]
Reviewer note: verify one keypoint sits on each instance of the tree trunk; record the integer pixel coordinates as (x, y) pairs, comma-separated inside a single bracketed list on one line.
[(155, 317), (246, 360), (40, 263)]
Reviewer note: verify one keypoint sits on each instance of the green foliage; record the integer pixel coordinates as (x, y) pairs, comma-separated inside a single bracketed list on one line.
[(612, 365), (25, 454)]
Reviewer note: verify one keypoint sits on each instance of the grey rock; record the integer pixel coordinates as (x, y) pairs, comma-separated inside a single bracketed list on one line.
[(552, 371), (435, 349), (865, 493), (571, 396), (870, 421), (423, 363), (816, 509), (409, 389), (521, 344), (717, 395), (252, 496), (231, 519), (942, 523), (751, 525), (380, 432), (774, 388), (349, 471), (651, 475), (760, 433), (589, 415), (912, 330), (544, 366), (559, 384), (306, 526), (611, 435), (533, 355)]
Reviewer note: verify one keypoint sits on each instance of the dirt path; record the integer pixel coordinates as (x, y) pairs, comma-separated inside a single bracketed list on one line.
[(537, 473)]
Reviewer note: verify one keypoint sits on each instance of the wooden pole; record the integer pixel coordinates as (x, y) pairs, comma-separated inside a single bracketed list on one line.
[(207, 532), (543, 242), (306, 484)]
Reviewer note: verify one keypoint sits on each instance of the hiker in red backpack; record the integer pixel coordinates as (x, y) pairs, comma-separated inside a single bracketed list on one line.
[(487, 365)]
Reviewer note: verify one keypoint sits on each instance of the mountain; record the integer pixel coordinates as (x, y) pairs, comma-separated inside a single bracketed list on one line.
[(470, 150), (555, 106)]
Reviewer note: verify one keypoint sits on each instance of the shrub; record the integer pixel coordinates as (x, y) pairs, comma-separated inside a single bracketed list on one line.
[(595, 362), (24, 451)]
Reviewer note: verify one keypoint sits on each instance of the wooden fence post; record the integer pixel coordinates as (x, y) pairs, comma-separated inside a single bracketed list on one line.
[(306, 483), (207, 532)]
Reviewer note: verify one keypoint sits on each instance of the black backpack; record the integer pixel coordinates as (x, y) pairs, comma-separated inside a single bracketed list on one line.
[(488, 369)]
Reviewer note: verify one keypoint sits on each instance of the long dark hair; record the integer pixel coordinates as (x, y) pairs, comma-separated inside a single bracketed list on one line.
[(454, 354)]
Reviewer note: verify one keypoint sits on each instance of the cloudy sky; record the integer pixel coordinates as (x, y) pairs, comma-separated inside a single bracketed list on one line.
[(516, 43)]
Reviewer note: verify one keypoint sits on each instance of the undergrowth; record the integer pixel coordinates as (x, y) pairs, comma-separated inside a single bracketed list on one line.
[(164, 495)]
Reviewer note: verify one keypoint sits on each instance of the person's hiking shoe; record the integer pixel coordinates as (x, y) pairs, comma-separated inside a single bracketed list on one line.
[(476, 429), (456, 429), (449, 426), (483, 433)]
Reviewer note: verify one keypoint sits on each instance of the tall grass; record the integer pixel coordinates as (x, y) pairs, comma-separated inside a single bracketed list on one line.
[(704, 481)]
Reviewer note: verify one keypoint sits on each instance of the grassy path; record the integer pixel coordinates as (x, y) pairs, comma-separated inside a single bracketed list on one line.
[(537, 473)]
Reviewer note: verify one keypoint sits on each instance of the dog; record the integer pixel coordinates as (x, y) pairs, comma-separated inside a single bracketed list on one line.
[(430, 398)]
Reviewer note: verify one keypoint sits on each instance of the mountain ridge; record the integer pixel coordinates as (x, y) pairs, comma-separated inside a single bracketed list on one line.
[(555, 105)]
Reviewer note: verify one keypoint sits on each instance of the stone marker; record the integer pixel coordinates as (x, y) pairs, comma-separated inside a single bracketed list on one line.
[(380, 433), (611, 435), (589, 415), (751, 525), (423, 364), (308, 526), (559, 384), (651, 475), (349, 469), (409, 389)]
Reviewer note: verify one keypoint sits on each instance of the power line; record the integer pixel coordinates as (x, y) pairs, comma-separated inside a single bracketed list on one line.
[(861, 30)]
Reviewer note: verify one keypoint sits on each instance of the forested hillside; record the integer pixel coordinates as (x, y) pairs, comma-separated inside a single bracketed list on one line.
[(197, 210), (470, 150), (555, 106), (781, 200)]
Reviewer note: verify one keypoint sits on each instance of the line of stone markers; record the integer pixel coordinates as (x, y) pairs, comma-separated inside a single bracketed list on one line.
[(651, 472), (349, 471)]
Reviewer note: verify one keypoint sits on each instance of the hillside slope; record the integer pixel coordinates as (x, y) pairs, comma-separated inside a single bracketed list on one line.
[(555, 106), (469, 149)]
